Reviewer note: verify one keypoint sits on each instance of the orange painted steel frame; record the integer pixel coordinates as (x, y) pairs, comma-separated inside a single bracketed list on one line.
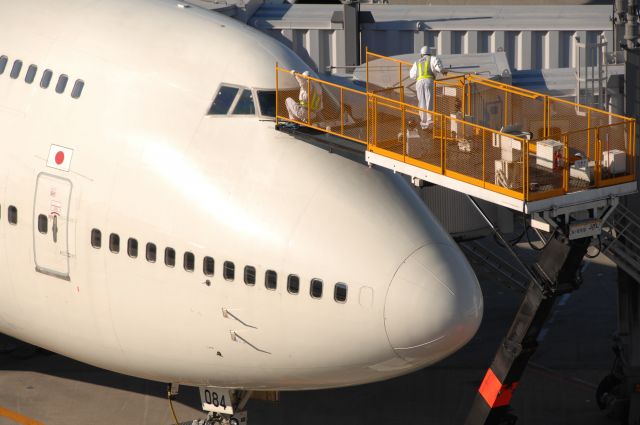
[(373, 100)]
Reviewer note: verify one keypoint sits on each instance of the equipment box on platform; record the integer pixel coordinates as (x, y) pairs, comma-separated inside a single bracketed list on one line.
[(549, 154), (615, 161)]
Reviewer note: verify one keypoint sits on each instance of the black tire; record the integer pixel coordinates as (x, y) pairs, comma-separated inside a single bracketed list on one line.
[(605, 388)]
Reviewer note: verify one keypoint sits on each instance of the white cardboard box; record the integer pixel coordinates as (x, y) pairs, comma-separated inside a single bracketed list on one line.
[(545, 151), (510, 149), (615, 161)]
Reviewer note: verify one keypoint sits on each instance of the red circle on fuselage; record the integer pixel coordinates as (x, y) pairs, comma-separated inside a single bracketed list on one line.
[(59, 157)]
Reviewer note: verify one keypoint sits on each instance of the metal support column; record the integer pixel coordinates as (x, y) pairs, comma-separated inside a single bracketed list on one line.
[(619, 392), (556, 273)]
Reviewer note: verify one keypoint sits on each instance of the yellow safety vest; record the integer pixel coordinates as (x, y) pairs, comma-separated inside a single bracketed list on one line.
[(314, 105), (424, 69)]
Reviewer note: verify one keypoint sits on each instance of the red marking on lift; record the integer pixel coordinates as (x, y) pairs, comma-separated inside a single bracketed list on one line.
[(494, 392), (59, 157)]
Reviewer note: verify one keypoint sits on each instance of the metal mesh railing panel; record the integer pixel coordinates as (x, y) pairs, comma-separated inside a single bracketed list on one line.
[(479, 130), (354, 124), (339, 110), (565, 117), (387, 126), (329, 116), (526, 113), (614, 151), (486, 106), (448, 97), (579, 166), (388, 77), (505, 161), (422, 145), (464, 149)]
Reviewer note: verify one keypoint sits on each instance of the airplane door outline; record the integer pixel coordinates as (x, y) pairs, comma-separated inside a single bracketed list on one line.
[(51, 249)]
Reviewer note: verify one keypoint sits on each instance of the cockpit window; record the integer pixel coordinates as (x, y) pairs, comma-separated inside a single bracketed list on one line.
[(245, 105), (223, 101), (267, 101)]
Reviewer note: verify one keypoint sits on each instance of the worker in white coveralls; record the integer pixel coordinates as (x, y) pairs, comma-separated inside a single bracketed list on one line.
[(423, 71), (299, 110)]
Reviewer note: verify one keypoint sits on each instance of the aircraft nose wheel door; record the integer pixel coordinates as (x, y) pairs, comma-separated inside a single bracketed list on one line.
[(51, 224)]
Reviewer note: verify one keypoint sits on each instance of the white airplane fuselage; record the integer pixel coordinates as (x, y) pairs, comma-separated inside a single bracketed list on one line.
[(147, 163)]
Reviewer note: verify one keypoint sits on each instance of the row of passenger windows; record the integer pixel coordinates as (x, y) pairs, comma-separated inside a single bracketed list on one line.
[(208, 267), (45, 78)]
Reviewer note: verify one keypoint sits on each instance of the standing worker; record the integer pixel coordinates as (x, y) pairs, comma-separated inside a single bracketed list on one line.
[(299, 110), (423, 72)]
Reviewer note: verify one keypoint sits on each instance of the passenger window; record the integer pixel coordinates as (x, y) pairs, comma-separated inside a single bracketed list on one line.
[(3, 63), (46, 78), (15, 70), (189, 261), (31, 74), (271, 279), (62, 83), (293, 284), (229, 270), (245, 105), (43, 224), (223, 100), (316, 288), (114, 243), (152, 252), (76, 92), (250, 275), (208, 266), (170, 257), (132, 248), (96, 238), (12, 215), (340, 292)]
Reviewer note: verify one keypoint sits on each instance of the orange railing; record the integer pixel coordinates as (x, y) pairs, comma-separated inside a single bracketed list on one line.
[(343, 111), (509, 140)]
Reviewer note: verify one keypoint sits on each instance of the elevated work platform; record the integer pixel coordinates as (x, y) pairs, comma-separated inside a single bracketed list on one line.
[(513, 147)]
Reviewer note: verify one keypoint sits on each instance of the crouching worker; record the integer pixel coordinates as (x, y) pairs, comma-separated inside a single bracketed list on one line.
[(299, 110)]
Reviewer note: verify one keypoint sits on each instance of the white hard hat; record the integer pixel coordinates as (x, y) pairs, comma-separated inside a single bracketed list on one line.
[(424, 50), (305, 73)]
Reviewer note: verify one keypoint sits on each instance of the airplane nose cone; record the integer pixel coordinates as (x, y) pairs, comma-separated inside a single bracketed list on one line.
[(433, 306)]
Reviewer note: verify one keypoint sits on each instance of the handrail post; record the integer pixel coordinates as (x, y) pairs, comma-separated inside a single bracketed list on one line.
[(463, 104), (367, 108), (400, 82), (443, 146), (598, 158), (367, 68), (525, 169), (565, 168), (505, 119), (469, 110), (277, 90), (588, 133), (632, 146), (403, 110), (341, 111), (545, 122), (484, 159), (435, 94), (308, 102), (375, 122)]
